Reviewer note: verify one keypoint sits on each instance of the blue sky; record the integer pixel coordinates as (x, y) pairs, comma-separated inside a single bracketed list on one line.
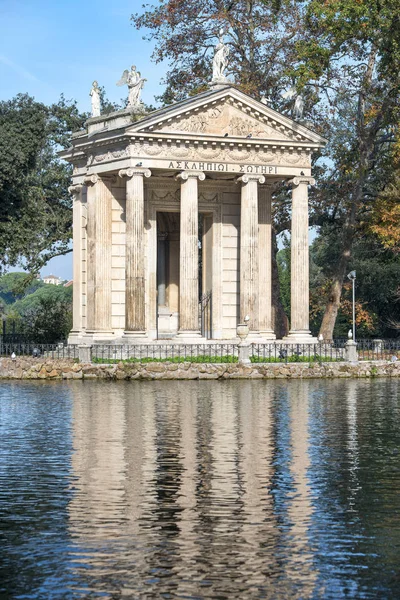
[(49, 47)]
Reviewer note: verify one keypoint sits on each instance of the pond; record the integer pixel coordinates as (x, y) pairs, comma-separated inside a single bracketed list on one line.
[(247, 489)]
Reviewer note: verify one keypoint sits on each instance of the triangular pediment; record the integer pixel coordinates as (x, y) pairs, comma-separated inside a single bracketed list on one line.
[(226, 113)]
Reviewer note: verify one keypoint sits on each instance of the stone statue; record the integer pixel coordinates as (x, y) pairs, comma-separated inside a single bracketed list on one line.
[(95, 94), (135, 83), (298, 108), (220, 60)]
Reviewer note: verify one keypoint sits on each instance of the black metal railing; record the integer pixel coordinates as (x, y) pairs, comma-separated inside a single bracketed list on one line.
[(166, 352), (282, 352), (17, 349), (273, 352), (378, 350)]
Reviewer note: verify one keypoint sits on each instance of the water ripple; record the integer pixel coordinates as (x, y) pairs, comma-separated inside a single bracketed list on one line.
[(200, 490)]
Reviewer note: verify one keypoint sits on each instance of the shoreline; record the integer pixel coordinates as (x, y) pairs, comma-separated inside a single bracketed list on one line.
[(28, 368)]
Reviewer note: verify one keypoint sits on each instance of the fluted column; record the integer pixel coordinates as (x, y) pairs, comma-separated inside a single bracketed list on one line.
[(135, 301), (265, 260), (249, 271), (99, 256), (299, 318), (77, 210), (189, 255)]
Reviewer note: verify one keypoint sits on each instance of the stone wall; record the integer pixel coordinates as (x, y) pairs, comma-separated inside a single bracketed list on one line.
[(37, 368)]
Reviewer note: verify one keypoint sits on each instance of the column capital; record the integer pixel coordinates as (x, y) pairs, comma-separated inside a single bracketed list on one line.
[(185, 175), (131, 171), (75, 189), (91, 179), (296, 181), (250, 177)]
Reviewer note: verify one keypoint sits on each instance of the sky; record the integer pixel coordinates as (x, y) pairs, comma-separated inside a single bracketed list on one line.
[(49, 47)]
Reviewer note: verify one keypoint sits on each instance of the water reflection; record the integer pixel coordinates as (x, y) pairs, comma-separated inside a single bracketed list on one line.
[(210, 490)]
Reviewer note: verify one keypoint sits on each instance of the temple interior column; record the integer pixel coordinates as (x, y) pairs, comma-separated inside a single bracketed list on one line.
[(299, 317), (189, 255), (249, 271), (265, 261), (76, 191), (99, 256), (135, 302)]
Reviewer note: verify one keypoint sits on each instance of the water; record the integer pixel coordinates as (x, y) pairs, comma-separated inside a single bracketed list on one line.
[(200, 490)]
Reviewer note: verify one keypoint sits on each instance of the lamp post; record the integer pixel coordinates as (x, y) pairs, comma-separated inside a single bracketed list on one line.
[(352, 277)]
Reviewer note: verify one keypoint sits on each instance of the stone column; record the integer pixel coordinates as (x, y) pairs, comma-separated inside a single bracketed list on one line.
[(299, 291), (76, 191), (249, 273), (265, 261), (189, 255), (99, 256), (135, 301)]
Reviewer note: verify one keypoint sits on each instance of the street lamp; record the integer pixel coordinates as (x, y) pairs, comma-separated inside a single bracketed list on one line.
[(352, 277)]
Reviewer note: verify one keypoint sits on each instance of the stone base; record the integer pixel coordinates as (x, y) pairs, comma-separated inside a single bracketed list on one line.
[(76, 338), (254, 336), (190, 336), (99, 337), (219, 83), (268, 335), (130, 337), (300, 336)]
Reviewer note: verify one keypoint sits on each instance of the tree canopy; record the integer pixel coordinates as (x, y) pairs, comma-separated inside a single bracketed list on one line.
[(35, 206)]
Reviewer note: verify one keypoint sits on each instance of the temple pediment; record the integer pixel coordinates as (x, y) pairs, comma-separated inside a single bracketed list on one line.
[(226, 113)]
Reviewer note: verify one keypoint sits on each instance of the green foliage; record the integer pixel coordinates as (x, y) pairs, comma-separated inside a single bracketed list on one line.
[(35, 206), (294, 358), (45, 316), (15, 286)]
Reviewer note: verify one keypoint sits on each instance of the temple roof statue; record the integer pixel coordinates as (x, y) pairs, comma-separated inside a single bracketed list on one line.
[(95, 95), (220, 60), (135, 84)]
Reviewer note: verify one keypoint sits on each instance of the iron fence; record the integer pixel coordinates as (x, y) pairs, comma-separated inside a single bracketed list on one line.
[(276, 352), (378, 350), (17, 349), (166, 352)]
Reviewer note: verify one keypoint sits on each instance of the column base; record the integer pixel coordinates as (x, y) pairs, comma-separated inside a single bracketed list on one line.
[(188, 336), (254, 336), (300, 336), (268, 335), (132, 336), (75, 337), (101, 336)]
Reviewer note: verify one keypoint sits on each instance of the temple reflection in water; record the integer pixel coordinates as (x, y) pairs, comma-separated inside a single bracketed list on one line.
[(192, 477)]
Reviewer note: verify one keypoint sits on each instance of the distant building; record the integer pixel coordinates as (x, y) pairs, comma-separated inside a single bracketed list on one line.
[(52, 279), (69, 283)]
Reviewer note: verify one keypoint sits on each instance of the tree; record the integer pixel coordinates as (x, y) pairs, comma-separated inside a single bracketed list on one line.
[(46, 315), (35, 206), (353, 57), (14, 286)]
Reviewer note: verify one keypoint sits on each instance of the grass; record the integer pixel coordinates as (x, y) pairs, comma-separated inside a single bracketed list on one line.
[(204, 358)]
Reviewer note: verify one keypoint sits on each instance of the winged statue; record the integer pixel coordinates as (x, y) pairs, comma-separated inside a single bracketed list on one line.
[(135, 84)]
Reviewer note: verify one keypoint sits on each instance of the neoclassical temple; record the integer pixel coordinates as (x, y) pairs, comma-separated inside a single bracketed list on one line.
[(176, 204)]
